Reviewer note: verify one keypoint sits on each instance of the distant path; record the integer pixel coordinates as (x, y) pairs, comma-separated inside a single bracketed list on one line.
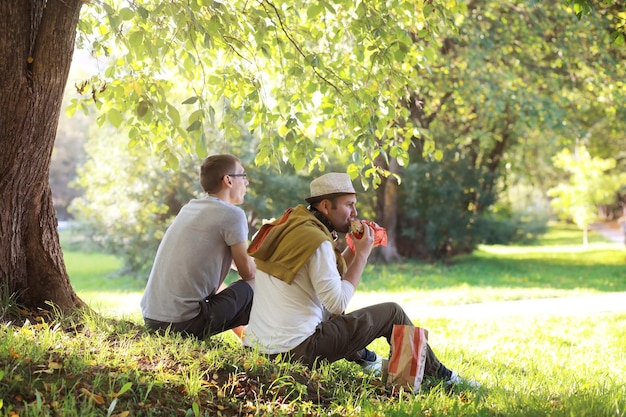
[(614, 302), (610, 230)]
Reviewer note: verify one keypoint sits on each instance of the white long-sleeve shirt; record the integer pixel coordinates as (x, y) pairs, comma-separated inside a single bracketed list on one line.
[(284, 315)]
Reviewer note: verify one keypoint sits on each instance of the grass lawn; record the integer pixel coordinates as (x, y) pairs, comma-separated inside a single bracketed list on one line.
[(557, 266), (93, 276), (528, 365)]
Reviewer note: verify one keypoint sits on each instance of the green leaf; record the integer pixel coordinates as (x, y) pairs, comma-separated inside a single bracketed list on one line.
[(353, 171), (299, 163), (314, 10), (142, 12), (136, 39), (191, 100), (201, 146), (329, 7), (124, 388), (115, 117), (174, 115), (142, 108), (70, 110), (197, 115), (126, 14), (194, 126), (171, 160)]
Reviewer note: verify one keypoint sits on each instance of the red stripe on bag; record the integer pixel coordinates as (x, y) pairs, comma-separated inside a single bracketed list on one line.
[(397, 336)]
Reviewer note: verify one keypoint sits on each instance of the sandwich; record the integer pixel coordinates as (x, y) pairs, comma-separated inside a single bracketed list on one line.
[(356, 227)]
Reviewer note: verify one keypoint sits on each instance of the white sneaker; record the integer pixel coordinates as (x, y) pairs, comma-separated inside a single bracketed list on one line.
[(455, 379), (374, 367)]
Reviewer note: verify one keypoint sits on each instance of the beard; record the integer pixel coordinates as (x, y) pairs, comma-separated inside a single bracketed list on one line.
[(344, 228)]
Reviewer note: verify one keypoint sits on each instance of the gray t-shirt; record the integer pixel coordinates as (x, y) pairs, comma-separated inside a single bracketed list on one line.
[(193, 259)]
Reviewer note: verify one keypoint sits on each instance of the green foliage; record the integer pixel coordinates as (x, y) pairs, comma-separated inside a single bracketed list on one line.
[(271, 192), (378, 83), (520, 215), (614, 8), (529, 76), (592, 182), (443, 206), (296, 71), (129, 198), (500, 98)]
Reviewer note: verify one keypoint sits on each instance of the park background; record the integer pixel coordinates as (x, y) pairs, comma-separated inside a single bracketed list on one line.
[(468, 131)]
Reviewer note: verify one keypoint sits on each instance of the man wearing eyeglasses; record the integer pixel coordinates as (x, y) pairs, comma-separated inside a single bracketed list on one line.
[(185, 291)]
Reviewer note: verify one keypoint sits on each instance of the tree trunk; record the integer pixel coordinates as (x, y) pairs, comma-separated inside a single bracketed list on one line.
[(36, 45), (387, 214)]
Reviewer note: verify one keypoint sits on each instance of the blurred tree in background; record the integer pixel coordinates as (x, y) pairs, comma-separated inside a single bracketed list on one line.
[(592, 182), (482, 109), (504, 92)]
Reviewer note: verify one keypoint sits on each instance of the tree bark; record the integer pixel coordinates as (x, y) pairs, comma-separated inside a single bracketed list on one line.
[(36, 45), (387, 213)]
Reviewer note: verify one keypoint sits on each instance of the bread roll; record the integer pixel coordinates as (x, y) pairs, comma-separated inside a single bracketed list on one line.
[(356, 227)]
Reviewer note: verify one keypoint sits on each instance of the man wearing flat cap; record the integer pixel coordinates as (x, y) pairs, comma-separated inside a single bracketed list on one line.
[(304, 284)]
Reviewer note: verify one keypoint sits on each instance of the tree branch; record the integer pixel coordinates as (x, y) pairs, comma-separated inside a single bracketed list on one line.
[(297, 46)]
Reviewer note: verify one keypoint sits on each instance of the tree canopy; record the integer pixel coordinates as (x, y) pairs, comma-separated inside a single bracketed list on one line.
[(472, 93), (293, 73), (591, 183)]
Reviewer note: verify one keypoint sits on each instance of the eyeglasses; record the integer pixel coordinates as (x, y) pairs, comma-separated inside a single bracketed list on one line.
[(237, 175)]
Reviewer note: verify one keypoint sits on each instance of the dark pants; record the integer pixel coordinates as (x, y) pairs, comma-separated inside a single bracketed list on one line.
[(218, 312), (341, 337)]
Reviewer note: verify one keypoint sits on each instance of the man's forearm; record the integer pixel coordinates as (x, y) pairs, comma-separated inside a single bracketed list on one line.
[(355, 270), (348, 255)]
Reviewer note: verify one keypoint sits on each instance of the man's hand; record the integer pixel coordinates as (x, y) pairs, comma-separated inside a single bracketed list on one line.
[(356, 261), (363, 245)]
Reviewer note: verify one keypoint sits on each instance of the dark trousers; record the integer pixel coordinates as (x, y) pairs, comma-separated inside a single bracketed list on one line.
[(218, 312), (341, 337)]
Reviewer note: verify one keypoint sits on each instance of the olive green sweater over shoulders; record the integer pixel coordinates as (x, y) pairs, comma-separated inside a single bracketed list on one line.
[(281, 247)]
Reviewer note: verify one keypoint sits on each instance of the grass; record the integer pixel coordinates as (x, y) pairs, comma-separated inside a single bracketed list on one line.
[(568, 365), (93, 277), (557, 266)]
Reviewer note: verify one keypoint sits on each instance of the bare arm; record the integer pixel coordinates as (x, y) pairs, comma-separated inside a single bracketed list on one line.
[(243, 262)]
